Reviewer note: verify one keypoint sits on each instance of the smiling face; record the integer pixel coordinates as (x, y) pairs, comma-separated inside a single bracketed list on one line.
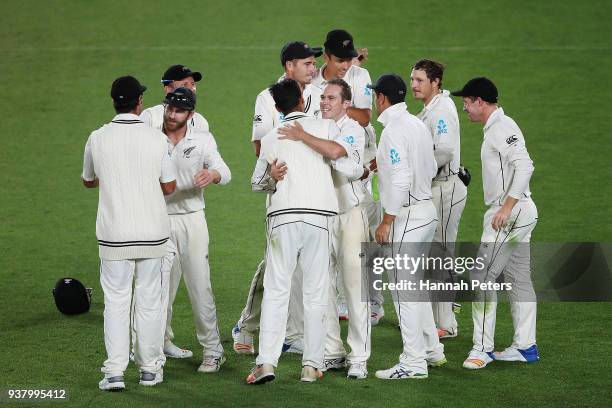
[(474, 107), (188, 83), (336, 67), (332, 105)]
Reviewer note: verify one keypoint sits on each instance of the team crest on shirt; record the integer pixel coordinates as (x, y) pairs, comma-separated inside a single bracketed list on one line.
[(395, 157), (349, 139), (512, 139), (441, 127), (257, 119), (187, 152)]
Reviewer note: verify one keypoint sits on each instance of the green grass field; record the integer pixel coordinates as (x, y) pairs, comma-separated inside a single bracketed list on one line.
[(552, 62)]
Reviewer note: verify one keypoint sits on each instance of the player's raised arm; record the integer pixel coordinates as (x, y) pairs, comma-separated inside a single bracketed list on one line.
[(328, 148)]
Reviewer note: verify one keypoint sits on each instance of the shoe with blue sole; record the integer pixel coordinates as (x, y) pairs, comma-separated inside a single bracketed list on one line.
[(528, 355)]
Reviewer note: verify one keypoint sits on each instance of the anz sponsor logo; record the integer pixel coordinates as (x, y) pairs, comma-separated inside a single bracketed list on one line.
[(367, 91), (281, 116), (349, 139), (512, 139), (395, 157), (441, 127)]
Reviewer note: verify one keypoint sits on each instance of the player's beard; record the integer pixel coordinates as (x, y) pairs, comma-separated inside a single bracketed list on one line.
[(173, 125)]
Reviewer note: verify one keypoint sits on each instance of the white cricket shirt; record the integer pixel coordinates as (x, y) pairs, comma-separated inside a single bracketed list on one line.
[(130, 159), (357, 78), (194, 152), (154, 117), (405, 159), (307, 188), (440, 117), (506, 165)]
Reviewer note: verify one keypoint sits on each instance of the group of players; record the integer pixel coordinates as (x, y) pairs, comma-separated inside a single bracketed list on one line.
[(319, 164)]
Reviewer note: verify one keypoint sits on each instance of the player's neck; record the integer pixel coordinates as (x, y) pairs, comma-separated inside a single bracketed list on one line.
[(175, 136), (487, 113), (430, 97)]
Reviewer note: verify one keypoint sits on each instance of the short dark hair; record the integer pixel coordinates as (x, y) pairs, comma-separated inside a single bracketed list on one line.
[(126, 107), (286, 94), (433, 69), (346, 93)]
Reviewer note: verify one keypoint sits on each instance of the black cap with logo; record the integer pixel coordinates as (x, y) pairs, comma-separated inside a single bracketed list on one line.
[(392, 86), (298, 50), (340, 44), (182, 98), (71, 297), (480, 87), (178, 72), (125, 90)]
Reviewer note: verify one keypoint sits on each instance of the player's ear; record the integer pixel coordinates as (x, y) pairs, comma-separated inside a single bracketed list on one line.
[(190, 115)]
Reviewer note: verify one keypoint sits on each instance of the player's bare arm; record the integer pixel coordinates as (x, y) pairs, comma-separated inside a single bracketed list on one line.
[(257, 147), (168, 188), (91, 184), (327, 148), (362, 116), (384, 229)]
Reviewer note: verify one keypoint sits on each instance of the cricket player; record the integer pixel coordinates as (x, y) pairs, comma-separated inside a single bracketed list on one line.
[(198, 165), (406, 166), (339, 56), (350, 230), (176, 76), (508, 224), (449, 193), (132, 228), (298, 61), (300, 217)]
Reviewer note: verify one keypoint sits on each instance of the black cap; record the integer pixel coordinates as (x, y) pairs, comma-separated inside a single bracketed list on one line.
[(71, 297), (178, 72), (480, 87), (392, 86), (340, 44), (298, 50), (126, 89), (181, 98)]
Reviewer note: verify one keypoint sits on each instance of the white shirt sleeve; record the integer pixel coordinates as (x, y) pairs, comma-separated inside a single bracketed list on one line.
[(395, 171), (362, 95), (352, 138), (199, 122), (261, 181), (146, 117), (263, 120), (168, 173), (445, 133), (88, 165), (212, 160), (511, 146)]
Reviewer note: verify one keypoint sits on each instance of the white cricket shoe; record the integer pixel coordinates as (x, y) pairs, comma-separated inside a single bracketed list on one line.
[(211, 364), (261, 374), (528, 355), (357, 371), (401, 372), (343, 313), (172, 351), (377, 312), (334, 363), (149, 379), (310, 374), (478, 359), (243, 340), (112, 383)]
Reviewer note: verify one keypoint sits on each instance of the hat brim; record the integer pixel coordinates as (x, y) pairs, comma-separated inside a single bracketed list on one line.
[(316, 51), (459, 93), (342, 53)]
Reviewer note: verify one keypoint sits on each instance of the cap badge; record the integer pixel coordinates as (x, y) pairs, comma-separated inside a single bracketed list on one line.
[(346, 43)]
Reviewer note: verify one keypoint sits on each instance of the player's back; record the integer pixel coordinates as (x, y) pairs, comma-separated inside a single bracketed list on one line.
[(307, 187)]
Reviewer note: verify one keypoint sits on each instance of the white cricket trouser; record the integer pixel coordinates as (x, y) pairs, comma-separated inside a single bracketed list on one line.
[(116, 278), (251, 314), (411, 234), (350, 230), (507, 251), (449, 198), (374, 211), (294, 239), (189, 233)]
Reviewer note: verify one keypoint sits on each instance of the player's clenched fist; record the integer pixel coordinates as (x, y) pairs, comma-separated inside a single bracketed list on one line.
[(205, 177), (382, 233)]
